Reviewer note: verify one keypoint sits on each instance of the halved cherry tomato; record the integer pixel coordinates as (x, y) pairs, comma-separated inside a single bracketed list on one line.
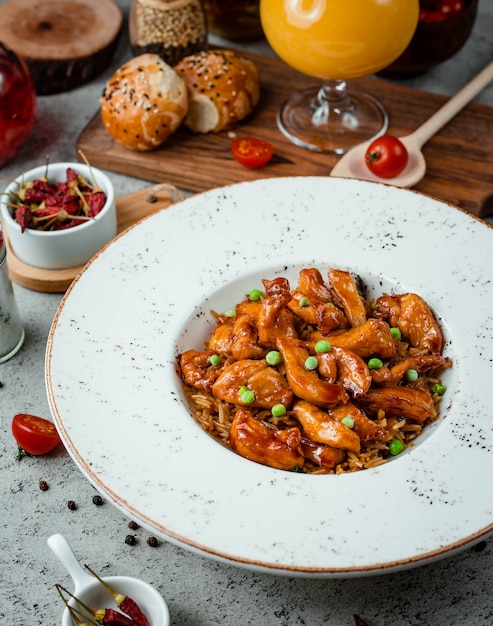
[(386, 156), (34, 434), (252, 152)]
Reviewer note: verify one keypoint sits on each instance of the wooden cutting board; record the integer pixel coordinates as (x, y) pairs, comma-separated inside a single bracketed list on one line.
[(460, 157)]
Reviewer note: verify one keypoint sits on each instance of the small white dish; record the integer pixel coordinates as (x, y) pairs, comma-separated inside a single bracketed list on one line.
[(93, 594), (112, 354), (60, 249)]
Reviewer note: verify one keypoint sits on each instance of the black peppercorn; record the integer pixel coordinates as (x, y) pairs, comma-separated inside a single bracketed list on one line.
[(97, 500), (43, 485), (153, 542), (130, 540), (71, 505), (133, 525)]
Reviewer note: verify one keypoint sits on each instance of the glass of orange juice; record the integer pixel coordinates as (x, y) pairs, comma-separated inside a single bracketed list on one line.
[(336, 41)]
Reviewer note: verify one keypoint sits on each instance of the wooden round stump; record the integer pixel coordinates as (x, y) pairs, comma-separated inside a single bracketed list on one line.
[(65, 43)]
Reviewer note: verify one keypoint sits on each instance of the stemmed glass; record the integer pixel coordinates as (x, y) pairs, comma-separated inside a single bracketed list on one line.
[(336, 40)]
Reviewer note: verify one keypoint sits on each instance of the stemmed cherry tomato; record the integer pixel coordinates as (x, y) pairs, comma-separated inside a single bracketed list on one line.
[(252, 152), (386, 156), (35, 435), (439, 10)]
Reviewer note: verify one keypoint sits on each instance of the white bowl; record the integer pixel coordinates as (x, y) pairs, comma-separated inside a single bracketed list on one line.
[(121, 326), (60, 249)]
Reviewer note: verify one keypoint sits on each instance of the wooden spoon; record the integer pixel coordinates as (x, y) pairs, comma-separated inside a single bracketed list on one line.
[(353, 164)]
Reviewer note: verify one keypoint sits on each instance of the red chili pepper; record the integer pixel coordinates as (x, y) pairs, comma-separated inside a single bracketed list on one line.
[(107, 617), (111, 617), (41, 184), (23, 217), (125, 603), (33, 195), (96, 202), (358, 621), (46, 211), (71, 175)]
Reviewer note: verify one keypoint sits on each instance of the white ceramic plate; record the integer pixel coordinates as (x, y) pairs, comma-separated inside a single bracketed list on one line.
[(118, 403)]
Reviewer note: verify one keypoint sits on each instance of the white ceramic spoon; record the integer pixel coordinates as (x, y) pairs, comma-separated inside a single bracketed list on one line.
[(353, 165), (93, 594)]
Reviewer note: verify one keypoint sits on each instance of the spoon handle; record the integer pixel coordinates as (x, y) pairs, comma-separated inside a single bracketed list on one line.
[(63, 551), (453, 106)]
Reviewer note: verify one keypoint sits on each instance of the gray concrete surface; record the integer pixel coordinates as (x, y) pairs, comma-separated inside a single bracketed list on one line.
[(453, 592)]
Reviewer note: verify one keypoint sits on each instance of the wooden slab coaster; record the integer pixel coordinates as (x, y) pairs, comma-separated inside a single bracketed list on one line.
[(130, 209), (65, 43)]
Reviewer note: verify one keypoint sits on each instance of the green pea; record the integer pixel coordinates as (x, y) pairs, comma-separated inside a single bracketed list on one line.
[(273, 357), (215, 360), (374, 364), (278, 410), (247, 396), (304, 302), (348, 421), (439, 389), (311, 363), (322, 346), (255, 295), (396, 333), (230, 313), (396, 447), (412, 375), (242, 389)]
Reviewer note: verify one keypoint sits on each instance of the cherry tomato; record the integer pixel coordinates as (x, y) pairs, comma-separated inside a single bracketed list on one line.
[(252, 152), (451, 7), (427, 16), (439, 10), (35, 435), (386, 156)]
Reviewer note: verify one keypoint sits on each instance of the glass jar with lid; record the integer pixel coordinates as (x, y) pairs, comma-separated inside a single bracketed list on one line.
[(172, 29), (11, 328)]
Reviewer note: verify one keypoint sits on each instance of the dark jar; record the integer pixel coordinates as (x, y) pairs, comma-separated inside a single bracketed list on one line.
[(237, 20), (172, 29)]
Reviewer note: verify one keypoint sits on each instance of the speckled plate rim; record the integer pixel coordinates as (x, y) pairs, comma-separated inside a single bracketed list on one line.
[(117, 401)]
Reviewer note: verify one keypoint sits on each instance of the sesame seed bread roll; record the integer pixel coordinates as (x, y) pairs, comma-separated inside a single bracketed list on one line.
[(144, 102), (223, 88)]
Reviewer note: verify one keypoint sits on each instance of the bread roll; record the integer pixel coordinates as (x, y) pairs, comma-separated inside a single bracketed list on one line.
[(223, 88), (144, 102)]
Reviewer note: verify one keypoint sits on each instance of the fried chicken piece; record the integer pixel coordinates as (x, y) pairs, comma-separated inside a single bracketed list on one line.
[(267, 384), (244, 343), (274, 319), (412, 315), (325, 316), (346, 296), (398, 401), (197, 371), (307, 384), (372, 338), (327, 366), (222, 336), (352, 371), (366, 428), (311, 284), (320, 454), (421, 363), (253, 440), (320, 427)]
